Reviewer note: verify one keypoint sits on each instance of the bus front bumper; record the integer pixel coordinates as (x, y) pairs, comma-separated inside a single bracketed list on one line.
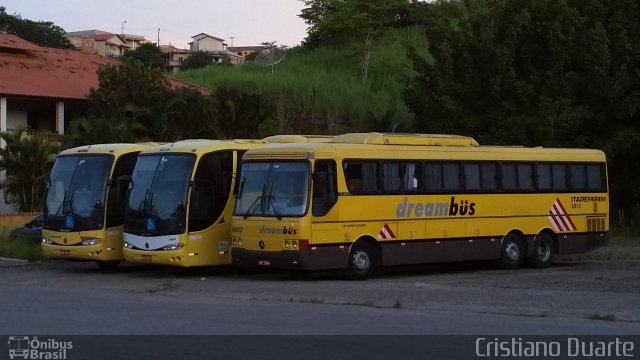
[(323, 258), (97, 252), (159, 257)]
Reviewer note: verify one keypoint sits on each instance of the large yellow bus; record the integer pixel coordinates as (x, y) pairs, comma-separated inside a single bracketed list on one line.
[(181, 200), (84, 206), (179, 206), (370, 199)]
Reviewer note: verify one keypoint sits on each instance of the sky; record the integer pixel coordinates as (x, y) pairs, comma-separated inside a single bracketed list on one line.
[(249, 22)]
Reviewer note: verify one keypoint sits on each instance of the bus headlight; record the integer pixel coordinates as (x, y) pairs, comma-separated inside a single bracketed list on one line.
[(91, 241), (294, 244), (128, 245), (46, 241), (173, 246), (286, 244)]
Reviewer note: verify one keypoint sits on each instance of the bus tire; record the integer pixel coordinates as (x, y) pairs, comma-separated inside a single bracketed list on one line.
[(542, 254), (108, 265), (361, 261), (512, 253)]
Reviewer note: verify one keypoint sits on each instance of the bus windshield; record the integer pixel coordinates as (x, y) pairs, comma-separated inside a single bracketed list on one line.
[(158, 197), (76, 193), (273, 189)]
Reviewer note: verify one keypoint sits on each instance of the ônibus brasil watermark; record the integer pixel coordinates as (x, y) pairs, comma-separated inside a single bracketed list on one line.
[(32, 348)]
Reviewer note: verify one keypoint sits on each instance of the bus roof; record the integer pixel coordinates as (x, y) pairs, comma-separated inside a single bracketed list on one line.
[(115, 149), (298, 138), (406, 139), (383, 150), (195, 145)]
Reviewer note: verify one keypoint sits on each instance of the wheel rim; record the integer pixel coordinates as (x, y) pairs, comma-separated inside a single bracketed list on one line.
[(544, 251), (512, 251), (361, 260)]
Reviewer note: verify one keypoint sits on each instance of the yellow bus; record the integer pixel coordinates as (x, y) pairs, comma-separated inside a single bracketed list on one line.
[(179, 206), (181, 200), (370, 199), (84, 206)]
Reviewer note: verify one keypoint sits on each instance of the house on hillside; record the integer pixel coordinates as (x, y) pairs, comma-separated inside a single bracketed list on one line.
[(216, 47), (245, 50), (172, 57), (43, 89), (105, 43)]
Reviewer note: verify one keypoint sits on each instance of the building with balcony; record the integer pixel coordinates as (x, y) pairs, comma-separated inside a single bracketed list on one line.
[(245, 50), (43, 89), (105, 43), (216, 47)]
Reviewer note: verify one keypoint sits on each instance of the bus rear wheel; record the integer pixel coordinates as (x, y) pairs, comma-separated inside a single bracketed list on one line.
[(361, 261), (512, 253), (542, 254)]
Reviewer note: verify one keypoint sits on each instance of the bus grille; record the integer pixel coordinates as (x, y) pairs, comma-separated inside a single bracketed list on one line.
[(595, 224)]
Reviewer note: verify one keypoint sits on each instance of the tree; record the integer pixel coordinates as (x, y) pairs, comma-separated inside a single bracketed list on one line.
[(189, 115), (129, 98), (353, 22), (537, 72), (147, 53), (197, 60), (26, 164), (43, 33)]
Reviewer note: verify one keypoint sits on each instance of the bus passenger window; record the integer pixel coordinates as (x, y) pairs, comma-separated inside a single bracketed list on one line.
[(361, 176), (525, 178), (509, 179), (595, 175), (559, 172), (400, 177), (544, 176), (578, 173), (451, 176), (472, 176)]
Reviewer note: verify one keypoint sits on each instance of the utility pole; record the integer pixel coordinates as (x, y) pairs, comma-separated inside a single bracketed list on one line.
[(122, 32), (158, 36)]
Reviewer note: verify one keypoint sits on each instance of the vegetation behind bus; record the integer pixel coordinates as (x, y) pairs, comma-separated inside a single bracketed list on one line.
[(544, 73)]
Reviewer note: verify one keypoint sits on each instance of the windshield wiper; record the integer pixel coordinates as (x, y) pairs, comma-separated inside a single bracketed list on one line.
[(253, 205), (70, 208), (255, 202), (272, 203), (63, 205)]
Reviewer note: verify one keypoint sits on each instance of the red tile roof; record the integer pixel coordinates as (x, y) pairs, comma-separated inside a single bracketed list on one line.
[(30, 70), (8, 41)]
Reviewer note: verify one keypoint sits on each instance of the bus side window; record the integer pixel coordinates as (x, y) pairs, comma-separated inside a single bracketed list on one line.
[(211, 187), (120, 181), (239, 155), (400, 176), (325, 189)]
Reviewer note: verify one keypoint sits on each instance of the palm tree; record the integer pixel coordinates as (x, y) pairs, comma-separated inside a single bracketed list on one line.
[(26, 163)]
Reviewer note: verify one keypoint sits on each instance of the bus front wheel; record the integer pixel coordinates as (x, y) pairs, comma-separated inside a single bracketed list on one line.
[(361, 261), (542, 254), (512, 253)]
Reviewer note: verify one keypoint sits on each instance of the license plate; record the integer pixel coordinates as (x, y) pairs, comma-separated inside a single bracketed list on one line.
[(264, 262), (146, 257), (65, 252)]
